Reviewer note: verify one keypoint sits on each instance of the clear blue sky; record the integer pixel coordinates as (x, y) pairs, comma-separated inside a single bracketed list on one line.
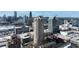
[(43, 13)]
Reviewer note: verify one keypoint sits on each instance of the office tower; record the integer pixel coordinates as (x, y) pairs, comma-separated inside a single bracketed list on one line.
[(53, 25), (50, 24), (30, 14), (4, 18), (25, 19), (38, 31), (15, 15), (56, 24), (30, 19)]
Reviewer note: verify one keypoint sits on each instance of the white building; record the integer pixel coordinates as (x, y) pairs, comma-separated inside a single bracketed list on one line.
[(38, 31)]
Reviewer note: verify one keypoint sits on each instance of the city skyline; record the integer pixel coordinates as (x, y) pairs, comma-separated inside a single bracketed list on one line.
[(42, 13)]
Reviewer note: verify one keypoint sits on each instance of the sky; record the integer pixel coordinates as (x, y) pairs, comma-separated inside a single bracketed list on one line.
[(42, 13)]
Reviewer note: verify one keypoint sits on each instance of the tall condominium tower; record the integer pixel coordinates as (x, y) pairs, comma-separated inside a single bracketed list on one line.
[(38, 31)]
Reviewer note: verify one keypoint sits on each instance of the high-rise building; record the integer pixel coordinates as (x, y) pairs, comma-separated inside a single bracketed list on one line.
[(38, 31), (4, 17), (25, 19), (53, 25), (30, 14), (15, 15), (30, 19), (50, 24)]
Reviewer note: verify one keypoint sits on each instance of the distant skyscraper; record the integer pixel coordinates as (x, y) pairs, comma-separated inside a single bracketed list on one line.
[(30, 19), (25, 19), (53, 25), (15, 15), (38, 31), (4, 17), (30, 14), (50, 24)]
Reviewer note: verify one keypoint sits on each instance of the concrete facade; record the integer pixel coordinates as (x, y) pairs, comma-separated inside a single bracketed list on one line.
[(38, 31)]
